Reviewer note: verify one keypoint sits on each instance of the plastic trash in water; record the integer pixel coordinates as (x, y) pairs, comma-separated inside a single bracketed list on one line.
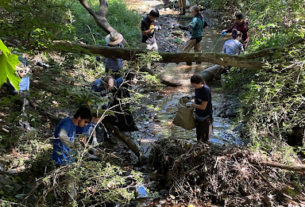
[(141, 191)]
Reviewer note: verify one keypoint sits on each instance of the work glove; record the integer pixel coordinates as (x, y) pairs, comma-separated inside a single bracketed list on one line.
[(223, 33), (157, 28), (189, 104)]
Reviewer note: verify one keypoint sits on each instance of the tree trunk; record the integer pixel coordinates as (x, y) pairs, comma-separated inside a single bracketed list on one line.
[(131, 54), (100, 15), (211, 72), (127, 140)]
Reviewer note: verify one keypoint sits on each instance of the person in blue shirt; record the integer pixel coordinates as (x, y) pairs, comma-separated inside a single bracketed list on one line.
[(65, 135), (203, 108), (234, 46)]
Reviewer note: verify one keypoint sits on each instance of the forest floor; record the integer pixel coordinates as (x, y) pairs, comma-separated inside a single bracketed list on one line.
[(183, 173)]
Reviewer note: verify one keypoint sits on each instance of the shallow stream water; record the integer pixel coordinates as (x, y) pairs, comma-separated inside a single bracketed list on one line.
[(158, 125)]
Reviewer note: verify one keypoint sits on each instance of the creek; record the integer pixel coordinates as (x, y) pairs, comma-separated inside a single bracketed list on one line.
[(157, 122)]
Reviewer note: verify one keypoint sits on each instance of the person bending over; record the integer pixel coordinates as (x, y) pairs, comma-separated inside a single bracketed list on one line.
[(65, 135), (196, 28), (203, 109), (240, 25), (117, 90), (233, 46)]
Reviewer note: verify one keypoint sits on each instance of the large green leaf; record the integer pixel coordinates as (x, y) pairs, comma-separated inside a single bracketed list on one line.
[(8, 62)]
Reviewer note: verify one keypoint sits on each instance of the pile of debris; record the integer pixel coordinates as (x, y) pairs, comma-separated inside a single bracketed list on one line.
[(201, 173)]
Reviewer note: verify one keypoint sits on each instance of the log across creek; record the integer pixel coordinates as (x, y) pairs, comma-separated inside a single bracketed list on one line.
[(242, 61)]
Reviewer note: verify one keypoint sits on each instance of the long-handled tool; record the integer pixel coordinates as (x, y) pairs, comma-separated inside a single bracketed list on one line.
[(216, 43)]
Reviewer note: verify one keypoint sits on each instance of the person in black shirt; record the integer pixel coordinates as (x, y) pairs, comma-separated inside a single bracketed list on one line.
[(148, 28), (203, 109)]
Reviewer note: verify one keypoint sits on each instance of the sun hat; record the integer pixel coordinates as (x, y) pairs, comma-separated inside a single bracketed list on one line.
[(114, 38)]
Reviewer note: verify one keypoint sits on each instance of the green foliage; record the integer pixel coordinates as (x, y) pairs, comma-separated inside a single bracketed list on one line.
[(276, 23), (8, 62), (92, 182), (36, 23), (216, 4), (123, 20), (272, 98)]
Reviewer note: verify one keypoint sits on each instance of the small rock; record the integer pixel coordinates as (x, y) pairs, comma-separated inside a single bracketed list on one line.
[(162, 202)]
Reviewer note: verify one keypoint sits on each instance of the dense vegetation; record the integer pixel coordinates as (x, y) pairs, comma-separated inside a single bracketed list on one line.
[(36, 23), (272, 99)]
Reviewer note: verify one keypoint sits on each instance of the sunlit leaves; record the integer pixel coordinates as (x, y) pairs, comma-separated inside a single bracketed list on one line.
[(8, 62)]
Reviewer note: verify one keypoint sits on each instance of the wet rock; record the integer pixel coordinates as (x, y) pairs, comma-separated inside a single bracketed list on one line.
[(228, 109), (162, 202), (169, 80)]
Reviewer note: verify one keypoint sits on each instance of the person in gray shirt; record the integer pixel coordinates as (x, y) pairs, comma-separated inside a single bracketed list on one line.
[(233, 46)]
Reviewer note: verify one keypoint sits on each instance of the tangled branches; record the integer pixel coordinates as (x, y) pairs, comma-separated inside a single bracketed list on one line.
[(203, 173), (87, 184)]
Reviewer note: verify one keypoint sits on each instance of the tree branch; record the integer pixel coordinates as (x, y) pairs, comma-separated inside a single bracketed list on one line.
[(100, 16), (300, 169)]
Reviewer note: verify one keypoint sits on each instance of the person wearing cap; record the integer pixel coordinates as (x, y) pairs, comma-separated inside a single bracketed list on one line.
[(114, 65), (149, 27), (233, 46), (240, 25)]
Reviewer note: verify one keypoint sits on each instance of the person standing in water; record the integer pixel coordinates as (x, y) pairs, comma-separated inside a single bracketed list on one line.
[(242, 26), (149, 27), (203, 108)]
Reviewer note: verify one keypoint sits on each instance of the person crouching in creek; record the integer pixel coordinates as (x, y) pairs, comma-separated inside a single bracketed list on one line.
[(203, 109)]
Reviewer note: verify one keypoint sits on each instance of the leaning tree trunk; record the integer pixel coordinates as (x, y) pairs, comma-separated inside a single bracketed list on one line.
[(100, 15)]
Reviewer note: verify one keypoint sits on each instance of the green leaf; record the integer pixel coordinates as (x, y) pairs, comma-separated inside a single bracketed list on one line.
[(8, 62)]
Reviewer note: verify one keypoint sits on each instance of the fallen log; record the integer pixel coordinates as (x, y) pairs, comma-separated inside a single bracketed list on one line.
[(281, 166), (127, 140), (211, 72), (131, 54)]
